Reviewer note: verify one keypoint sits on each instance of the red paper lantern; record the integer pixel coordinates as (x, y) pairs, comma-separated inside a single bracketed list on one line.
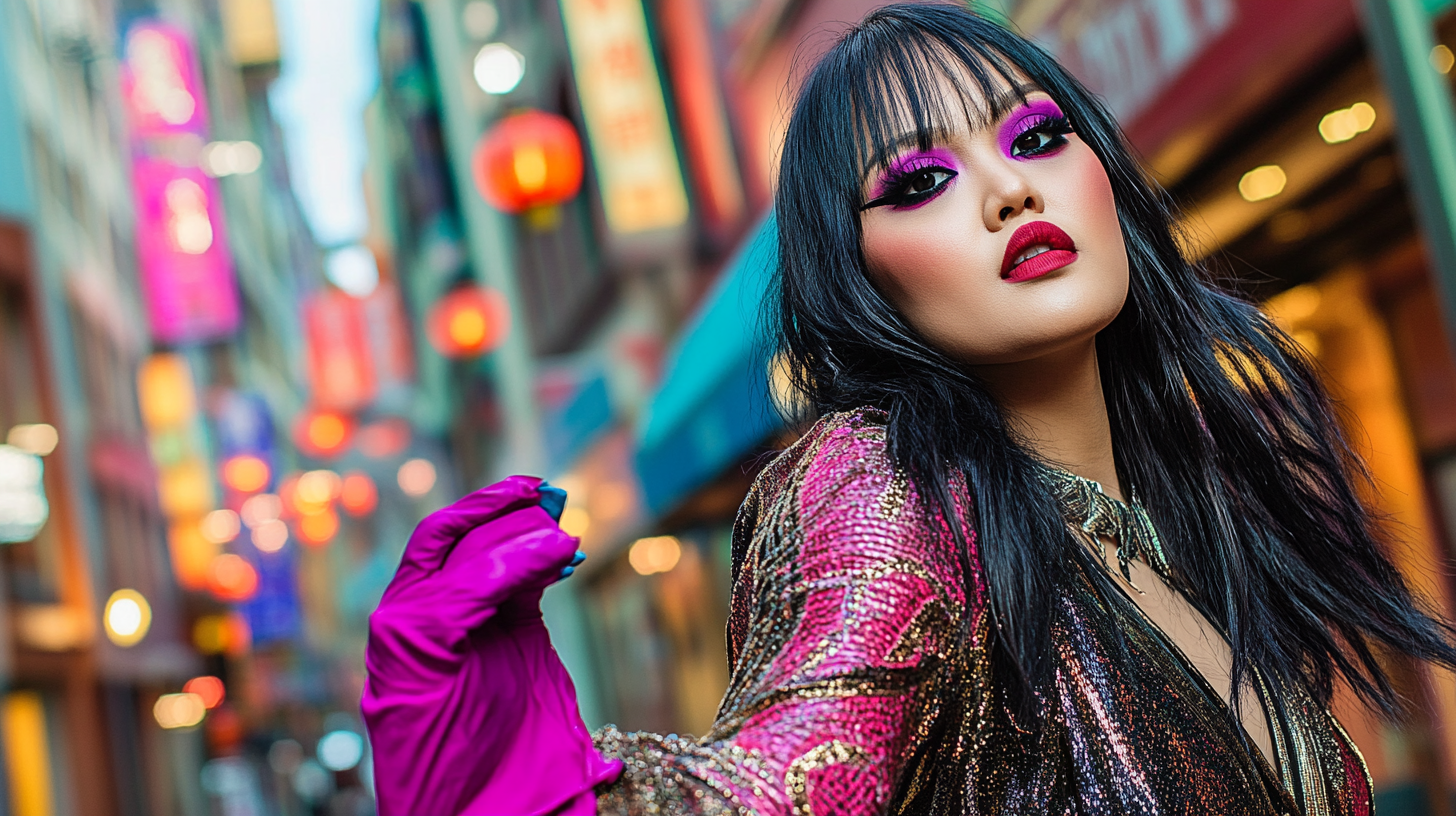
[(467, 322), (529, 159)]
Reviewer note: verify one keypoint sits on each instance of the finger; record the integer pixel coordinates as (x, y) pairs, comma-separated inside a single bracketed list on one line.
[(527, 559), (553, 499), (578, 558), (438, 533)]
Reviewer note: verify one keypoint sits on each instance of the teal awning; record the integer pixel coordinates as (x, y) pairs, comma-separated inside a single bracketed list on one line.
[(713, 405)]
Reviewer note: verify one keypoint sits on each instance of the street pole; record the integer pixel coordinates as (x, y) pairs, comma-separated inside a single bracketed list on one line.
[(489, 237), (1401, 39)]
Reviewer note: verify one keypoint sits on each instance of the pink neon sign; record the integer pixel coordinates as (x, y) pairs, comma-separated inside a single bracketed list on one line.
[(161, 82), (186, 266)]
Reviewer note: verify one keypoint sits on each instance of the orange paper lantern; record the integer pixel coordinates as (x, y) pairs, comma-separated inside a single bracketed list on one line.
[(529, 159), (467, 322)]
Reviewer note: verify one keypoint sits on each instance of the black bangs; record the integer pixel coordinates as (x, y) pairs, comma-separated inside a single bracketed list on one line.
[(1219, 424), (898, 86)]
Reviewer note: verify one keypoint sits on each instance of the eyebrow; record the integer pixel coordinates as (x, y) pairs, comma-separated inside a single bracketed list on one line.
[(1001, 102)]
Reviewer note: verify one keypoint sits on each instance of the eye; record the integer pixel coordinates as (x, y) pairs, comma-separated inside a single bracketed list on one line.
[(928, 179), (912, 187), (1044, 137)]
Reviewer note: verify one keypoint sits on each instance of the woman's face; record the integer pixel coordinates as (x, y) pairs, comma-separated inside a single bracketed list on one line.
[(1000, 243)]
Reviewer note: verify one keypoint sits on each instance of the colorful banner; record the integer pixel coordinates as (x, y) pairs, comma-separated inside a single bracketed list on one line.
[(340, 366), (161, 82), (626, 118), (186, 266)]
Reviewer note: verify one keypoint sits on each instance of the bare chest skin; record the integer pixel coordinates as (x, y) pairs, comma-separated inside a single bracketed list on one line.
[(1199, 641)]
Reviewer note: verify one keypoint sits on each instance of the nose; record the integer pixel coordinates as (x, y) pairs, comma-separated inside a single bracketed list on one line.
[(1009, 194)]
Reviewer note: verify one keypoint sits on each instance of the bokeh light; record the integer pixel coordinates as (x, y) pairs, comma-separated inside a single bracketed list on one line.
[(498, 68), (246, 473), (261, 509), (127, 617), (319, 527), (416, 477), (649, 556), (358, 495), (221, 526), (209, 689), (182, 710), (232, 578), (270, 536), (340, 750), (322, 433)]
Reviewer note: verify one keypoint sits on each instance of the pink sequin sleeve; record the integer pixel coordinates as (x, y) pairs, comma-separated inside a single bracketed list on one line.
[(847, 612)]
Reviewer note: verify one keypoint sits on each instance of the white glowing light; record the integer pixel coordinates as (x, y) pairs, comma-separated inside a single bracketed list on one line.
[(127, 617), (499, 68), (353, 269), (188, 224), (23, 505), (340, 750), (231, 159)]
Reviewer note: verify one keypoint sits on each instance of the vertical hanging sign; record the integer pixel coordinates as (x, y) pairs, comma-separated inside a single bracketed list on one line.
[(186, 266), (626, 118)]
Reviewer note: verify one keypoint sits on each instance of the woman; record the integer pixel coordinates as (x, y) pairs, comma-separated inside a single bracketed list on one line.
[(1076, 531)]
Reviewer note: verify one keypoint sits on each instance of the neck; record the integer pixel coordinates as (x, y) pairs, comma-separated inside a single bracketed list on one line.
[(1055, 403)]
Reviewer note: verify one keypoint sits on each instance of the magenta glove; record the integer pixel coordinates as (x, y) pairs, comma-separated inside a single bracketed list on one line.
[(468, 707)]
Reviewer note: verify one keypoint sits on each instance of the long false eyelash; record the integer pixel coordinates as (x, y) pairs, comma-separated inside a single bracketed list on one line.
[(898, 179), (1053, 125)]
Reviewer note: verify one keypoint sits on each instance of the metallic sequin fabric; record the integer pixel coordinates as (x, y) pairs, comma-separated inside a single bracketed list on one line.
[(855, 692)]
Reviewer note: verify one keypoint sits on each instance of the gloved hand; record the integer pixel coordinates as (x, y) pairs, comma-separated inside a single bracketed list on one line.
[(468, 706)]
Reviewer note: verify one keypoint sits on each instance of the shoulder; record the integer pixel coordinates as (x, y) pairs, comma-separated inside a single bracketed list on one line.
[(836, 500)]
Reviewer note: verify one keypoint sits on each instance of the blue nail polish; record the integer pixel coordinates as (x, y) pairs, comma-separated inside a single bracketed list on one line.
[(553, 499), (567, 571), (578, 558)]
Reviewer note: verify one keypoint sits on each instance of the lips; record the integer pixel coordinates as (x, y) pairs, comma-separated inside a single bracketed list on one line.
[(1036, 249)]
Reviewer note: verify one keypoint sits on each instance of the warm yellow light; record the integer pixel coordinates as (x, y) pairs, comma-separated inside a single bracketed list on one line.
[(179, 710), (165, 391), (1263, 182), (184, 489), (27, 754), (416, 477), (210, 634), (467, 328), (246, 473), (653, 555), (529, 164), (39, 439), (316, 488), (127, 617), (1347, 123), (192, 553), (1442, 59), (318, 528), (575, 521), (221, 526)]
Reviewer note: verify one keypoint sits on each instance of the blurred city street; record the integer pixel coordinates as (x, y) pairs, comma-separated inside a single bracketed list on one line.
[(278, 278)]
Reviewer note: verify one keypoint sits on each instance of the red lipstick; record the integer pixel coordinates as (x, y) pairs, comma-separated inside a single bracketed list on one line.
[(1041, 247)]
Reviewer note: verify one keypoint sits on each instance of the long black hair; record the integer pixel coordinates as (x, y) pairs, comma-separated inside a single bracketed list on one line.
[(1219, 422)]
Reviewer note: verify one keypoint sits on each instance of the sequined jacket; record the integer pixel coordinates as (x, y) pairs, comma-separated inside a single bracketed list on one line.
[(854, 690)]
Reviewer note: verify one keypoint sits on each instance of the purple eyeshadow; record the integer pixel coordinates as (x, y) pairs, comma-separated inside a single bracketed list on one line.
[(909, 163), (1030, 114)]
